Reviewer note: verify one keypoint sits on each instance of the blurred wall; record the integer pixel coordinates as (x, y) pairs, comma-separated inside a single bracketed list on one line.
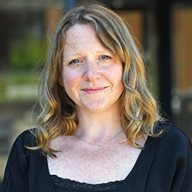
[(26, 29)]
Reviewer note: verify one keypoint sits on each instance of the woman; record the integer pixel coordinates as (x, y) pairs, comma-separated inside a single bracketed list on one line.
[(99, 128)]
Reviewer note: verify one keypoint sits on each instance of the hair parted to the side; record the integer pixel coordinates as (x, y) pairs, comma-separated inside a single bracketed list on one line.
[(139, 110)]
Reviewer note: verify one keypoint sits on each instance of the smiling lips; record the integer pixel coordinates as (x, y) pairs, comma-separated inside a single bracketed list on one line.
[(93, 90)]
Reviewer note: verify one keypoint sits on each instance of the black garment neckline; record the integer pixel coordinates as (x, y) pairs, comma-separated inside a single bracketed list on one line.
[(135, 170)]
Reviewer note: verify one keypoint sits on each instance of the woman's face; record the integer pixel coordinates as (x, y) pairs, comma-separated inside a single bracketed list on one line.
[(91, 74)]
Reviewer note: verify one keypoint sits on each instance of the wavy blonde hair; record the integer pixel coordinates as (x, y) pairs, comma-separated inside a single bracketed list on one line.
[(139, 110)]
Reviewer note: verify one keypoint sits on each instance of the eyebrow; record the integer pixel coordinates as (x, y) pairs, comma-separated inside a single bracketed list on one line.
[(79, 53)]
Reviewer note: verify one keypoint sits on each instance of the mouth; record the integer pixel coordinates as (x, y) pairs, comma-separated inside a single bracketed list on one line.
[(93, 89)]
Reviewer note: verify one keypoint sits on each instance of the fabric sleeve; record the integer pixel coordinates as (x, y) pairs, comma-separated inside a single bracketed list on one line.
[(16, 171), (171, 170), (187, 183), (183, 175)]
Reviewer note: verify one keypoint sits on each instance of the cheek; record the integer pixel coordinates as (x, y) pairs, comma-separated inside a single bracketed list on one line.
[(118, 78), (117, 74), (70, 80), (68, 83)]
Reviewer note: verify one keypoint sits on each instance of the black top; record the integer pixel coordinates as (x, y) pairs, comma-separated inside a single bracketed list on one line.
[(164, 165)]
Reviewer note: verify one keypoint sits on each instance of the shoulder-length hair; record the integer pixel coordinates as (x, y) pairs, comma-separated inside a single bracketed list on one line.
[(139, 110)]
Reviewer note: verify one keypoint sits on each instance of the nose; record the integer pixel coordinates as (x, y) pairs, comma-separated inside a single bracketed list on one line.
[(92, 71)]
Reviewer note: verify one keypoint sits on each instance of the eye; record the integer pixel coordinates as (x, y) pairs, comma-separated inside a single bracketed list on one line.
[(105, 57), (75, 62)]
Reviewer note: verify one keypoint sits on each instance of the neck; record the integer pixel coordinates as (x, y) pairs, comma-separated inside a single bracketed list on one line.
[(98, 127)]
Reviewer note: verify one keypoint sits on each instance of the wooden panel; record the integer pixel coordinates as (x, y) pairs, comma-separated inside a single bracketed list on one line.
[(133, 20), (182, 48)]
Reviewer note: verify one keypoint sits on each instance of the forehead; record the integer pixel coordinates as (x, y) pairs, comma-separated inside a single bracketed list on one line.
[(80, 32), (82, 37)]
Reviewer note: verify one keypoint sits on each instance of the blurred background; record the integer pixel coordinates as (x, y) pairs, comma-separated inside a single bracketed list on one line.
[(163, 28)]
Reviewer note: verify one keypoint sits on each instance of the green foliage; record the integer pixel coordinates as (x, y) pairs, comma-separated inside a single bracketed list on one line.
[(15, 85), (27, 53)]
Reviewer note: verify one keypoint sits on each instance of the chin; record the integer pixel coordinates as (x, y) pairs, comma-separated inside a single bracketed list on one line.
[(98, 108)]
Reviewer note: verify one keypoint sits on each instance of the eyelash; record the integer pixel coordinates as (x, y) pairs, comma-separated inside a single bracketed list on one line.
[(105, 57), (76, 62)]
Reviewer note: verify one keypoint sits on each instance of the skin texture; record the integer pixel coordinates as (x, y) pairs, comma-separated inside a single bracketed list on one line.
[(92, 78), (92, 75)]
